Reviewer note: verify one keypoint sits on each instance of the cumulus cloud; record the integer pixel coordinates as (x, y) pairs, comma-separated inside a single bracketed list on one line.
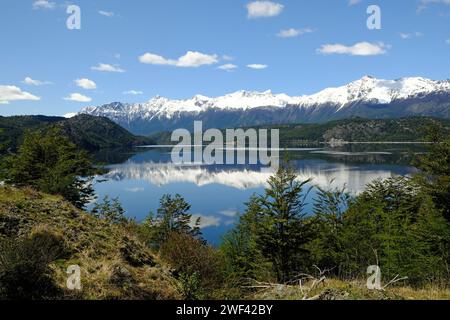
[(291, 33), (228, 67), (78, 97), (43, 4), (192, 59), (133, 92), (358, 49), (257, 66), (106, 13), (353, 2), (86, 84), (13, 93), (33, 82), (103, 67), (205, 221), (263, 9)]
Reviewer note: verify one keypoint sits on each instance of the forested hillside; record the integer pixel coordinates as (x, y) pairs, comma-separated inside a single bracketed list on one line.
[(87, 132), (350, 130)]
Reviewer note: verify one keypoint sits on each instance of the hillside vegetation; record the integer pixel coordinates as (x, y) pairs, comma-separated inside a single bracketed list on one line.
[(280, 248), (114, 263), (412, 129), (87, 132)]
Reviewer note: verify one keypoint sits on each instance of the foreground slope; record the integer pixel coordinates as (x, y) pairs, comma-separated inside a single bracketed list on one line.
[(114, 264)]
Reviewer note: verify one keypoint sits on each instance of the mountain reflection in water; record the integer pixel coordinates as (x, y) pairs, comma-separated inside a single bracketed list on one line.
[(218, 193)]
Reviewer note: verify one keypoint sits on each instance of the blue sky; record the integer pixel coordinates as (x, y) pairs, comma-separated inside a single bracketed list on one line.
[(179, 48)]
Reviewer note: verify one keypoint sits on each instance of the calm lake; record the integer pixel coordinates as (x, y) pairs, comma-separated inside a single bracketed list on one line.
[(218, 193)]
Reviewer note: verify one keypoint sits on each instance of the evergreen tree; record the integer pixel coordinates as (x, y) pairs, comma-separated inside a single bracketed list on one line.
[(172, 216), (111, 211), (328, 221), (397, 226), (49, 162), (280, 225), (435, 170), (244, 259)]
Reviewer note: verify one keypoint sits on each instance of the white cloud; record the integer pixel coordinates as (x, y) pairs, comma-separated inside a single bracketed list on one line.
[(103, 67), (228, 67), (13, 93), (448, 41), (133, 92), (257, 66), (425, 3), (77, 97), (291, 33), (106, 13), (263, 9), (406, 36), (44, 4), (358, 49), (227, 57), (33, 82), (86, 84), (353, 2), (229, 213), (70, 115), (192, 59), (205, 221)]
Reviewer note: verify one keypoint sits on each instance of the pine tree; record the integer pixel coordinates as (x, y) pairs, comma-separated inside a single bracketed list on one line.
[(172, 216), (435, 170), (244, 259), (280, 226), (330, 207), (112, 211), (49, 162)]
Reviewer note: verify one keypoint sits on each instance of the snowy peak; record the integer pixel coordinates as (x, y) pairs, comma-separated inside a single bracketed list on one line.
[(368, 90)]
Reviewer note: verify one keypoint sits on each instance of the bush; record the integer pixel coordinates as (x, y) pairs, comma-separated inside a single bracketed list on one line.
[(111, 211), (193, 262), (24, 266), (49, 162)]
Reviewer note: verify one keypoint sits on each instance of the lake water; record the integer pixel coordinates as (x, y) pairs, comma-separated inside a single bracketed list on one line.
[(218, 193)]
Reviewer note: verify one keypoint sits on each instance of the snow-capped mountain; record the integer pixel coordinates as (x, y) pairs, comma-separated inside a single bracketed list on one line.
[(367, 97)]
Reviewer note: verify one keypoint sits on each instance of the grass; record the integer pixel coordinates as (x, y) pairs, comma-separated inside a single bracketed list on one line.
[(333, 289), (114, 263)]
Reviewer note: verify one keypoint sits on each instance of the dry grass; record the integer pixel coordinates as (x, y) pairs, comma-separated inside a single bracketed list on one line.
[(114, 263), (332, 289)]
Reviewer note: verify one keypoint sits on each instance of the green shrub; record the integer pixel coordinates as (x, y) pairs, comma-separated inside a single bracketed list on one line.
[(24, 266), (192, 258)]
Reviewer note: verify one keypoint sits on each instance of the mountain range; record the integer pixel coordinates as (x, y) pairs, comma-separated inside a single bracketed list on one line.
[(367, 97)]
